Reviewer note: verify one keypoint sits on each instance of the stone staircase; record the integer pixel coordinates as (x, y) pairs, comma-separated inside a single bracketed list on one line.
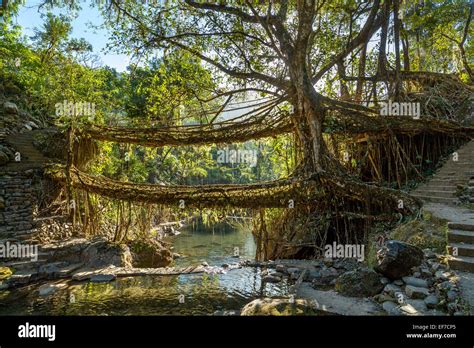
[(440, 191), (461, 246), (442, 187), (31, 158)]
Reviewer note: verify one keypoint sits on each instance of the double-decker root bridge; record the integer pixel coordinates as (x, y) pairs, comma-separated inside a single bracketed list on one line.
[(338, 202)]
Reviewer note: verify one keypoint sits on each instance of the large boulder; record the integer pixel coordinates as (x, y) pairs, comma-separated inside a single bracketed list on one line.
[(151, 253), (396, 259), (359, 283), (102, 253), (279, 307)]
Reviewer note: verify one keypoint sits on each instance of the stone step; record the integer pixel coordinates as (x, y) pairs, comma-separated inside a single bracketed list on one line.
[(457, 236), (461, 263), (463, 249), (448, 180), (433, 193), (437, 187), (460, 176), (434, 199), (458, 226)]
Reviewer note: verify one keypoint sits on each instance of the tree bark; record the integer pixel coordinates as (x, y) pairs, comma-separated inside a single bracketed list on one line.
[(360, 81)]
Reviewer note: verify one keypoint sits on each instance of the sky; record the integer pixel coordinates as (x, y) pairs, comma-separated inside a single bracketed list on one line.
[(29, 18)]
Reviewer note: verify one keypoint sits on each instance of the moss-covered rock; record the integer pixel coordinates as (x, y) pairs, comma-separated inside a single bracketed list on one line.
[(5, 272), (278, 307), (359, 283), (150, 253)]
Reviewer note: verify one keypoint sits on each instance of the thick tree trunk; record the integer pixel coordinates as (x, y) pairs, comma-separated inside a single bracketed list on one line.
[(308, 119)]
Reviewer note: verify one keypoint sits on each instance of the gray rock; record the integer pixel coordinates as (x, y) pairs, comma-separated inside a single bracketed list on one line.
[(280, 268), (442, 275), (102, 253), (359, 283), (451, 295), (425, 272), (384, 280), (346, 264), (291, 270), (391, 308), (327, 276), (417, 282), (429, 254), (398, 282), (452, 307), (271, 279), (381, 298), (431, 301), (52, 270), (391, 289), (294, 276), (409, 309), (102, 278), (435, 265), (328, 262), (416, 292), (446, 285), (396, 259), (419, 305), (277, 274), (313, 273), (329, 273)]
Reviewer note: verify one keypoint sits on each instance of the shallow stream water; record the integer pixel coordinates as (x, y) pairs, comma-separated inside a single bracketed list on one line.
[(204, 294)]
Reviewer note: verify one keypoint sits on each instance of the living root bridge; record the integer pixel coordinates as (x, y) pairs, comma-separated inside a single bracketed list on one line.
[(317, 191), (337, 122)]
